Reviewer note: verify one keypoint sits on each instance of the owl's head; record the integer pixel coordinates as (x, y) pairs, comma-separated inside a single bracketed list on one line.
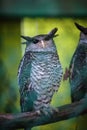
[(43, 42), (83, 34)]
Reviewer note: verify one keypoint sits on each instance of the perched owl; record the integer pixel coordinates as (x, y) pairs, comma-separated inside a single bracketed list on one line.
[(39, 73), (78, 67)]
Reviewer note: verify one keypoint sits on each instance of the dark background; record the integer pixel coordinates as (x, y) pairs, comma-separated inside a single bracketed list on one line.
[(21, 8)]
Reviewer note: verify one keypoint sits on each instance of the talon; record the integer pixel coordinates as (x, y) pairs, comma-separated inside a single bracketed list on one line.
[(44, 112), (38, 112), (56, 110)]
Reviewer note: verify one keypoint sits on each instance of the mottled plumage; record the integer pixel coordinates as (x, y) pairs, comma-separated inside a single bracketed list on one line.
[(78, 67), (40, 72)]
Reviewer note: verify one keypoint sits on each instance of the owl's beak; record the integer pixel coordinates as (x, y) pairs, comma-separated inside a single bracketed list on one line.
[(43, 43)]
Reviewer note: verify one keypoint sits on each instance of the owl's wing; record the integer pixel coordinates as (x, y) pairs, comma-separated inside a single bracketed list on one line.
[(24, 70), (78, 63), (78, 76), (27, 94)]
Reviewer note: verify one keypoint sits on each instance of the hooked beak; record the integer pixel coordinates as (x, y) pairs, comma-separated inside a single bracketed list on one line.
[(43, 43)]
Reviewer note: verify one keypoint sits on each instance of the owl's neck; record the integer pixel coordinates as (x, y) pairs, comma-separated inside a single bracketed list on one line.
[(83, 41), (41, 50), (83, 38)]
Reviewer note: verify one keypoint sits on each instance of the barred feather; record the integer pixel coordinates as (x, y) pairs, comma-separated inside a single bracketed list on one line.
[(78, 67), (39, 76)]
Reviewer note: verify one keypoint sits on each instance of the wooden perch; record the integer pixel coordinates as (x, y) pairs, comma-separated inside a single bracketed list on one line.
[(31, 119)]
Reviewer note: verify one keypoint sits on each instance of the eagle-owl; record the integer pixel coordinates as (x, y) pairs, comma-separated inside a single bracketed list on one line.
[(78, 78), (78, 67), (39, 73)]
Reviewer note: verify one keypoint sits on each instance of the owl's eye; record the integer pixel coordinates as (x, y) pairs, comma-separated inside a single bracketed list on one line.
[(35, 41)]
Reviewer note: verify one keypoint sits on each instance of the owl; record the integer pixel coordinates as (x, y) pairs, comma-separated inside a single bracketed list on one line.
[(39, 73), (78, 67)]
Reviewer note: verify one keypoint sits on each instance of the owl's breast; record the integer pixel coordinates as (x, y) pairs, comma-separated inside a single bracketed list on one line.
[(46, 70)]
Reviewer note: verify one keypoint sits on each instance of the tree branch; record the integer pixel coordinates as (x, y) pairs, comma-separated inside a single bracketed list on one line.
[(31, 119)]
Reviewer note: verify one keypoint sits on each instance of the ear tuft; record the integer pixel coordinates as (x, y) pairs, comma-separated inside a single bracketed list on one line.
[(26, 38), (53, 31), (51, 34), (81, 28)]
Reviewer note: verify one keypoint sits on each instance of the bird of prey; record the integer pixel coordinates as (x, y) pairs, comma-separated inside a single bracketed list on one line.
[(39, 73), (77, 72)]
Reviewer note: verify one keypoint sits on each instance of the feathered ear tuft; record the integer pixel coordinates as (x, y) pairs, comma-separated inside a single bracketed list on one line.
[(51, 34), (26, 38), (81, 28), (53, 31)]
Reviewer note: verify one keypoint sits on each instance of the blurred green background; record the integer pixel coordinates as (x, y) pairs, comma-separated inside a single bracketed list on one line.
[(31, 18)]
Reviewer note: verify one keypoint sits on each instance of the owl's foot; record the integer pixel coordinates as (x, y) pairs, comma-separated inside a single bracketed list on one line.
[(38, 112), (56, 110), (53, 110), (48, 111)]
